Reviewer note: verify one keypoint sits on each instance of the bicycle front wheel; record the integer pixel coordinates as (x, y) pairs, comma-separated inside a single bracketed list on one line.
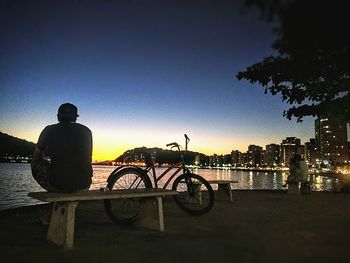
[(125, 211), (195, 195)]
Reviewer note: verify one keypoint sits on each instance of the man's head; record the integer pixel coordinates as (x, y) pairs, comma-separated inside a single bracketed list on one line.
[(67, 112)]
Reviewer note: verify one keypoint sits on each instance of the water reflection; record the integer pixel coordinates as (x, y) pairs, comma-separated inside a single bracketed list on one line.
[(322, 183), (266, 180), (16, 181)]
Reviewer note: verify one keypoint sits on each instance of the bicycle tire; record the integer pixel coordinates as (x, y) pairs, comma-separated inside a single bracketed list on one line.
[(200, 201), (125, 211)]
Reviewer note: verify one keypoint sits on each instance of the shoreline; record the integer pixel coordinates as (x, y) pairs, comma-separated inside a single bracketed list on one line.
[(339, 176)]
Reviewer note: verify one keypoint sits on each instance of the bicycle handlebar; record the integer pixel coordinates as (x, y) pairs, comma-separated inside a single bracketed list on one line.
[(173, 144)]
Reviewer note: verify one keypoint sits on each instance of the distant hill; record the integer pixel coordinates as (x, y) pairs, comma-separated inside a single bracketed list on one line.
[(14, 147), (160, 156)]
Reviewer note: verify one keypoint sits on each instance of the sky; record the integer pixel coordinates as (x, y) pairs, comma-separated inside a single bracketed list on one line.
[(142, 73)]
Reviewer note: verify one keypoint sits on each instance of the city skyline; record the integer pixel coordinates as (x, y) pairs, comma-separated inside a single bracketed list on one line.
[(141, 74), (330, 144)]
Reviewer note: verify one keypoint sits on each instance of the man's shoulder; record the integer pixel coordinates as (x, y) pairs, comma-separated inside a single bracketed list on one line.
[(82, 129), (81, 126), (67, 127), (49, 127)]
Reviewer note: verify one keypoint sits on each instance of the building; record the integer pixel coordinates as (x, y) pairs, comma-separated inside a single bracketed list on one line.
[(289, 147), (331, 138), (216, 160), (272, 155), (254, 155), (227, 160), (237, 158), (312, 154)]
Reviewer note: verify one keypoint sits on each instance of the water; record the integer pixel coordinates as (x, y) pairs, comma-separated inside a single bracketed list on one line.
[(16, 181)]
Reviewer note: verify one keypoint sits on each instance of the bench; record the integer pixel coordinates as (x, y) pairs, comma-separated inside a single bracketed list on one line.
[(299, 187), (224, 191), (61, 227)]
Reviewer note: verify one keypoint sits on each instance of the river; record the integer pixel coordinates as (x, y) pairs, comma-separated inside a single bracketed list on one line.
[(16, 181)]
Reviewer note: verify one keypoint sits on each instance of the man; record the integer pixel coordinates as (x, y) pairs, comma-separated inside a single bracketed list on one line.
[(62, 158)]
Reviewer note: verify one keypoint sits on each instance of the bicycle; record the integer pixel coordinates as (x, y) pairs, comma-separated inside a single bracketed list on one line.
[(195, 195)]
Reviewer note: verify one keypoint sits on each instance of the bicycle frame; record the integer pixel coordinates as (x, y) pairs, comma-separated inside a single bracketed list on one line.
[(150, 170), (179, 166)]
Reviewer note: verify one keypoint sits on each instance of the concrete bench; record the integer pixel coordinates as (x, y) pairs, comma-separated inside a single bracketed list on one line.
[(299, 187), (224, 191), (61, 228)]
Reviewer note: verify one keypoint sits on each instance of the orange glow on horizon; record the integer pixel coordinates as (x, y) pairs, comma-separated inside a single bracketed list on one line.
[(109, 142)]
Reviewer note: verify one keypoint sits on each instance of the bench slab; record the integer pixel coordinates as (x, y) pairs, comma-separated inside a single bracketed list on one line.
[(61, 228), (100, 195), (222, 181), (224, 189)]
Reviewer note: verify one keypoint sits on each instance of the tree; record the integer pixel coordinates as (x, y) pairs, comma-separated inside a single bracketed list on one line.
[(311, 67)]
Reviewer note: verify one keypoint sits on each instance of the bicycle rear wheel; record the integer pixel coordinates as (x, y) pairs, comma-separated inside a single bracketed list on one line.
[(196, 196), (125, 211)]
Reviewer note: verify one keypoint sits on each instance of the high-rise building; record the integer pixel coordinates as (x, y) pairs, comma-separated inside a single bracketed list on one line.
[(312, 152), (254, 155), (272, 154), (289, 147), (331, 137), (237, 158), (216, 160)]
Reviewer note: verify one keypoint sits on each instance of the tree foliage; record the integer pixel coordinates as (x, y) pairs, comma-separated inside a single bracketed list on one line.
[(160, 156), (311, 66)]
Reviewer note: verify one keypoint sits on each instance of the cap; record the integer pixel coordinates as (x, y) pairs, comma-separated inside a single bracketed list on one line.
[(68, 109)]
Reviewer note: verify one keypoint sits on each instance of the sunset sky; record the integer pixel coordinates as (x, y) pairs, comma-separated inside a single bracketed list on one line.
[(142, 73)]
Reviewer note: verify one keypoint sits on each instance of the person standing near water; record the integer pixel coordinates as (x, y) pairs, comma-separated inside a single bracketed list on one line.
[(298, 170), (63, 155)]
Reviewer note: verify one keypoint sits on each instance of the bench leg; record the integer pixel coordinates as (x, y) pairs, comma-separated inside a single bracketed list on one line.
[(293, 188), (61, 228), (224, 192), (151, 214), (198, 193), (305, 188)]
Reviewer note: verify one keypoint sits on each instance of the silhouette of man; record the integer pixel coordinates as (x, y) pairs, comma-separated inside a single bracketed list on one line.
[(62, 158)]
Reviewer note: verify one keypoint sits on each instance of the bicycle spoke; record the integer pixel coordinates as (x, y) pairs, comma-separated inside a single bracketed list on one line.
[(195, 194), (126, 211)]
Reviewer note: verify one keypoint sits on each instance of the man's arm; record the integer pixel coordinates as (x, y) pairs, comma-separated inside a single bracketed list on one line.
[(37, 155)]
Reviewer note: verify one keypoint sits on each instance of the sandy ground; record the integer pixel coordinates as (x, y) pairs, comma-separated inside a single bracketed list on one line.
[(260, 226)]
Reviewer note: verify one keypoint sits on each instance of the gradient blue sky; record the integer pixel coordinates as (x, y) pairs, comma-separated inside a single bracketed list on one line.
[(142, 73)]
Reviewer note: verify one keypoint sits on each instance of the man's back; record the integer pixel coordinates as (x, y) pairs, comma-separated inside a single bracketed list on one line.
[(69, 145), (304, 171)]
